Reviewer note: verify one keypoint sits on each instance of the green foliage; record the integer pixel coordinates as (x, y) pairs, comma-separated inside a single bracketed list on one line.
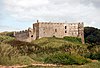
[(51, 45), (64, 58), (95, 52), (95, 56), (73, 39), (41, 49), (22, 60), (92, 35), (10, 55), (26, 60), (8, 50), (6, 38), (7, 34), (25, 48)]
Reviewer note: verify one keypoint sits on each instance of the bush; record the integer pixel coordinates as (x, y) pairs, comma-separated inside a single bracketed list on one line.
[(22, 60), (92, 35), (64, 58), (94, 52), (95, 56), (6, 38), (10, 56)]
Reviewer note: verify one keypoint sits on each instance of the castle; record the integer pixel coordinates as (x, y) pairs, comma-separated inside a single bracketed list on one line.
[(49, 29)]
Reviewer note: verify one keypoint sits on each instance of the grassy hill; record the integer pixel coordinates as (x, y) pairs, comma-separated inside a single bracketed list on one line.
[(52, 44), (66, 51)]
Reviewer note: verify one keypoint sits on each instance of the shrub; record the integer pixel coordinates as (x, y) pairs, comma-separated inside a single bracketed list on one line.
[(94, 52), (95, 56), (10, 56), (6, 38), (22, 60), (64, 58)]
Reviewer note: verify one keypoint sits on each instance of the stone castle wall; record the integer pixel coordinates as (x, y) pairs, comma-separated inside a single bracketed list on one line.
[(24, 35), (48, 29)]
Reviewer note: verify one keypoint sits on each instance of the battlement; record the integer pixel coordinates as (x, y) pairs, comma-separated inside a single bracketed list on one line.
[(20, 32), (59, 23)]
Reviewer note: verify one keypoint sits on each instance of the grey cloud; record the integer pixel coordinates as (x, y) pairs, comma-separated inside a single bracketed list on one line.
[(96, 3), (58, 10)]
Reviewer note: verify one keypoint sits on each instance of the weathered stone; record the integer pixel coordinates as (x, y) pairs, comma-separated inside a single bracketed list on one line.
[(48, 29)]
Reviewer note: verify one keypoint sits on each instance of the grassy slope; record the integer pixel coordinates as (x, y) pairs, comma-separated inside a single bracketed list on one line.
[(52, 45), (44, 47), (56, 42), (60, 44)]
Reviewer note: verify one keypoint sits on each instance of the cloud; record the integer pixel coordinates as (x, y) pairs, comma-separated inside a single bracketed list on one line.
[(7, 28), (96, 3), (55, 10)]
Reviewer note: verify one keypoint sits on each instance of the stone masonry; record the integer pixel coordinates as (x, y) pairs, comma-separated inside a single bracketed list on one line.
[(49, 29)]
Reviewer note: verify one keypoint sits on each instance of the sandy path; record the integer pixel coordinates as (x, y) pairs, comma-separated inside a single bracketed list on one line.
[(18, 66)]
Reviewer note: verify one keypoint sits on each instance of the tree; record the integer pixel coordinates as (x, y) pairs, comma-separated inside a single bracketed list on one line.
[(92, 35)]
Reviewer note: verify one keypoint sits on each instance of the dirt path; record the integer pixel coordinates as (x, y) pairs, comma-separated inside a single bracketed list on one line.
[(13, 66), (19, 66)]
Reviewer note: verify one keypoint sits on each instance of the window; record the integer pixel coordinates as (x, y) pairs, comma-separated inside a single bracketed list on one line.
[(72, 33), (65, 27), (31, 35), (65, 31), (55, 30)]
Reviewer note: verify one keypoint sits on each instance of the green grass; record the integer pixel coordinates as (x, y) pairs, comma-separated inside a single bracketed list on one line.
[(52, 44), (56, 42), (6, 38), (66, 59), (38, 50), (73, 39), (10, 56)]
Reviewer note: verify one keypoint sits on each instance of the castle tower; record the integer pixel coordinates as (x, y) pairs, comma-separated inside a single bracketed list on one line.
[(81, 32), (30, 34)]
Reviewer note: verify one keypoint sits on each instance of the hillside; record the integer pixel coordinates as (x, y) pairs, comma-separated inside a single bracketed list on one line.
[(66, 51), (39, 50)]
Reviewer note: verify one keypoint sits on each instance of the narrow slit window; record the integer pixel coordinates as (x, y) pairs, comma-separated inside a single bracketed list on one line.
[(55, 30), (65, 27), (65, 31)]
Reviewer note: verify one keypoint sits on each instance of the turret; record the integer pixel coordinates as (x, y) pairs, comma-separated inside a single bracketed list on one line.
[(81, 31)]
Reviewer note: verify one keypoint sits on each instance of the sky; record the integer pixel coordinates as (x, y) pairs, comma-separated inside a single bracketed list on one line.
[(16, 15)]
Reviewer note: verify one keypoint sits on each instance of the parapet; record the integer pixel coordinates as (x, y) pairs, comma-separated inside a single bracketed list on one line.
[(24, 31)]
